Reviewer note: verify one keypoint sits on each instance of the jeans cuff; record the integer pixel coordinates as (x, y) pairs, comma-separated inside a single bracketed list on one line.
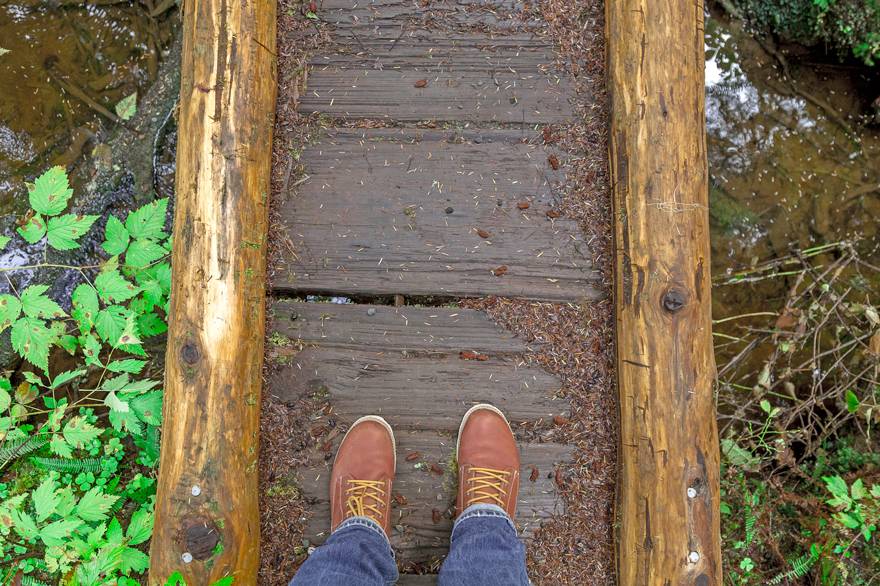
[(369, 524), (482, 510)]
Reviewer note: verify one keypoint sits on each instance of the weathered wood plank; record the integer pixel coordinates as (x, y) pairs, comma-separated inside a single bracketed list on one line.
[(439, 15), (668, 525), (416, 391), (414, 580), (383, 328), (419, 534), (392, 211), (214, 358), (424, 76)]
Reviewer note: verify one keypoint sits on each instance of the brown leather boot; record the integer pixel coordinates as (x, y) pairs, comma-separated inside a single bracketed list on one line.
[(488, 460), (360, 484)]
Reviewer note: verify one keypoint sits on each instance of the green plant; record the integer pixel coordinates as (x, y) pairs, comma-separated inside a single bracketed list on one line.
[(77, 442)]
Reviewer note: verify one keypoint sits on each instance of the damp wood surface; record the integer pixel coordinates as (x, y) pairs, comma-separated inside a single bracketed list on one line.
[(207, 513), (668, 526)]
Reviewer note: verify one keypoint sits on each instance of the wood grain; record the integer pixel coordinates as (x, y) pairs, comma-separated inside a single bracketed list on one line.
[(665, 363), (391, 211), (207, 501)]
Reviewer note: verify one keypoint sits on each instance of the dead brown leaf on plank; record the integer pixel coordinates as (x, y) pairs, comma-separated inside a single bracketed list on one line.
[(554, 162), (421, 83), (413, 456), (523, 205), (502, 270), (469, 355), (482, 233)]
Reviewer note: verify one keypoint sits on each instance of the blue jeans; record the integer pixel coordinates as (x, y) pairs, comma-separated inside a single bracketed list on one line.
[(484, 551)]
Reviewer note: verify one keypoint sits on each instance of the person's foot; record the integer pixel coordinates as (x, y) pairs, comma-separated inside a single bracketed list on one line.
[(360, 484), (488, 460)]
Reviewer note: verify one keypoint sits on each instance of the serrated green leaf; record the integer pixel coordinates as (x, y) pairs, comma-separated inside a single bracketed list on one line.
[(129, 334), (78, 432), (34, 303), (227, 581), (94, 505), (64, 231), (148, 221), (69, 343), (110, 322), (143, 252), (127, 106), (4, 240), (126, 421), (50, 192), (24, 524), (58, 446), (114, 403), (65, 377), (114, 531), (112, 287), (852, 401), (10, 309), (134, 560), (85, 306), (151, 324), (129, 365), (115, 236), (33, 229), (45, 499), (5, 400), (91, 349), (31, 339), (140, 528), (55, 534), (857, 490), (148, 407)]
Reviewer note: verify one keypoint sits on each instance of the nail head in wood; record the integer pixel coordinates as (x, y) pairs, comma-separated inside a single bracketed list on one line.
[(694, 557)]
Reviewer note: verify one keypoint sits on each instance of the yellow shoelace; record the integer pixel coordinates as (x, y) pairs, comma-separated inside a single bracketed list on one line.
[(487, 486), (357, 495)]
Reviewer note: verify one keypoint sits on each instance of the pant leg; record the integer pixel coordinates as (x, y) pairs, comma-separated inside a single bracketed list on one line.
[(357, 554), (484, 551)]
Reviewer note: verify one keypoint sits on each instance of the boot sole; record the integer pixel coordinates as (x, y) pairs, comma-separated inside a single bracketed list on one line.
[(381, 421), (472, 410)]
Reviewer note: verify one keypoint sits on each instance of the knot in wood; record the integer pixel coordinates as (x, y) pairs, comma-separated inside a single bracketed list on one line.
[(674, 300), (190, 353), (201, 536)]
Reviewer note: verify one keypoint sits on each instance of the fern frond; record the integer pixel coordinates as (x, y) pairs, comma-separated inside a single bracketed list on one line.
[(31, 581), (69, 465), (15, 449), (799, 567)]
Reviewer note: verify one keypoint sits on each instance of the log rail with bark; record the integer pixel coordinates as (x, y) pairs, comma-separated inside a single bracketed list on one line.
[(207, 511), (668, 529)]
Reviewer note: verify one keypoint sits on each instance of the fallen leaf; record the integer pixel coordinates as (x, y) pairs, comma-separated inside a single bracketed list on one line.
[(399, 499), (534, 475), (482, 233), (554, 162), (469, 355), (874, 344), (436, 469), (413, 456), (500, 271), (560, 420), (560, 481), (553, 214), (421, 83), (523, 205), (547, 134), (786, 320)]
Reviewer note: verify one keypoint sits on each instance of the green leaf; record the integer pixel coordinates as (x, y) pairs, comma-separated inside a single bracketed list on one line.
[(91, 349), (114, 403), (24, 524), (115, 236), (45, 499), (10, 309), (129, 365), (94, 505), (69, 343), (31, 339), (110, 322), (151, 324), (175, 579), (129, 334), (128, 421), (50, 192), (852, 401), (78, 432), (143, 252), (33, 229), (134, 560), (148, 221), (85, 306), (114, 532), (227, 581), (140, 528), (5, 400), (127, 106), (148, 407), (65, 377), (58, 446), (112, 287), (34, 303), (55, 534), (64, 231), (4, 240), (857, 490)]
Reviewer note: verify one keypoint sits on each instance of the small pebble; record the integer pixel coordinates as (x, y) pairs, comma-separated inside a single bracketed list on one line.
[(371, 311), (449, 210)]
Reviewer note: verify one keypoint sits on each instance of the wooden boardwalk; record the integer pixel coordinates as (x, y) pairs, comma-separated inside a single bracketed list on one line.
[(433, 183)]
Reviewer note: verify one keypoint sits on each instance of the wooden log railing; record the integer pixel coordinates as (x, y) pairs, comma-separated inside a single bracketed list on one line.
[(668, 495), (207, 513)]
